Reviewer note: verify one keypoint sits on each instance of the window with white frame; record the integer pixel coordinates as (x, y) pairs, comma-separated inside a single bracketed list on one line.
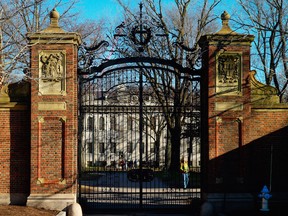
[(101, 123)]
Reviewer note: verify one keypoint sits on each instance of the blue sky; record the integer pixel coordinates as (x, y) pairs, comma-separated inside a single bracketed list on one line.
[(108, 9), (96, 9)]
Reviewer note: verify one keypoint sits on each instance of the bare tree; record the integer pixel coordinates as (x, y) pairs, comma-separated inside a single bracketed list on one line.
[(268, 21), (180, 28), (19, 17)]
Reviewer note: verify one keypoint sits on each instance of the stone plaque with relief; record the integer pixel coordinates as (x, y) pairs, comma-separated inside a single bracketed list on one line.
[(229, 74), (52, 73)]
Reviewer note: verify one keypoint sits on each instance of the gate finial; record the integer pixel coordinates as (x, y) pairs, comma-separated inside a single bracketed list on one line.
[(54, 18), (225, 17), (54, 23)]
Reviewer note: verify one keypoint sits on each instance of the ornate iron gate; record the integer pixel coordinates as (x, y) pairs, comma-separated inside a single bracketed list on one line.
[(124, 144), (138, 117)]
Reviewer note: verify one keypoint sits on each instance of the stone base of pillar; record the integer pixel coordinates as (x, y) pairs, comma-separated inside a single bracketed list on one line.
[(4, 199), (51, 201), (13, 199)]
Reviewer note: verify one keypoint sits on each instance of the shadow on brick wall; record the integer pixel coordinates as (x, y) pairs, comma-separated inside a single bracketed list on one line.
[(247, 169), (20, 144)]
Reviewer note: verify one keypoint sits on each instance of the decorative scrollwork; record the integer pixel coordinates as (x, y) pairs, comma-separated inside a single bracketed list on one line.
[(97, 46)]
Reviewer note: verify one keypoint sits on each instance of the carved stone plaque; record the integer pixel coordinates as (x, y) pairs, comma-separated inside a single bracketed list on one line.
[(52, 73), (229, 74)]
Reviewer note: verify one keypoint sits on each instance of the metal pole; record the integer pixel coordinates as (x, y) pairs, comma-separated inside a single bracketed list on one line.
[(141, 115), (93, 140), (271, 166), (140, 133)]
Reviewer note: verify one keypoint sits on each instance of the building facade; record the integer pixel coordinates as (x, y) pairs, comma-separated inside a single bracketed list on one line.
[(111, 130)]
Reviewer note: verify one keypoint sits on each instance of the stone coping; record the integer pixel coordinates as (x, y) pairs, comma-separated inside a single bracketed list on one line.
[(267, 107), (13, 106)]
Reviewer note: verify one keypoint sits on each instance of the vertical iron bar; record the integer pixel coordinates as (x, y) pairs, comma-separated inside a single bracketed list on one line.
[(271, 166), (141, 115), (140, 132), (93, 140), (80, 132)]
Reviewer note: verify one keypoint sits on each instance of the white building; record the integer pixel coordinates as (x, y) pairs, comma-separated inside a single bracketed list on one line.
[(111, 130)]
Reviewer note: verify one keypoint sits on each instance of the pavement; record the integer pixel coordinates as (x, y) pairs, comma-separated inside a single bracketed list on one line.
[(279, 211), (140, 214), (62, 213), (276, 208)]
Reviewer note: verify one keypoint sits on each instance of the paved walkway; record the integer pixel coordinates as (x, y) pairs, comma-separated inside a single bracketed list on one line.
[(139, 214), (107, 189)]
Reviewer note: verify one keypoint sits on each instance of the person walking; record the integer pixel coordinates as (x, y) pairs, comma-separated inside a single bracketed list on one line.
[(185, 172)]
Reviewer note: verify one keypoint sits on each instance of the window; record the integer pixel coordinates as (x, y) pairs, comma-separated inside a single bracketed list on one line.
[(153, 122), (142, 148), (90, 123), (129, 147), (90, 147), (112, 147), (101, 123), (129, 123), (153, 148), (113, 123), (101, 147)]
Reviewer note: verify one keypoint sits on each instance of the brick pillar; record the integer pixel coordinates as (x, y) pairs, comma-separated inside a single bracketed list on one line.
[(226, 105), (53, 116)]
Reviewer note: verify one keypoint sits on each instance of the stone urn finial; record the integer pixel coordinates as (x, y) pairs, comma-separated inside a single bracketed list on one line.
[(54, 23), (54, 18), (225, 17)]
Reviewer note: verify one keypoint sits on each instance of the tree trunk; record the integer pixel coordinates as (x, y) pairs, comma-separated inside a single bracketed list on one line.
[(168, 151), (175, 149), (157, 149)]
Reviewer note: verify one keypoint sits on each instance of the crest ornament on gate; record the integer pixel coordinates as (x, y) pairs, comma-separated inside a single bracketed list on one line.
[(141, 31)]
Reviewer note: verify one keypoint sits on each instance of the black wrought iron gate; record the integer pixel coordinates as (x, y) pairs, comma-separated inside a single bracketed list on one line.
[(125, 144), (138, 116)]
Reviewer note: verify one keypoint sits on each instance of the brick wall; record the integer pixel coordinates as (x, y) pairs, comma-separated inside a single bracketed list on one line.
[(5, 151), (244, 147), (15, 152), (267, 149)]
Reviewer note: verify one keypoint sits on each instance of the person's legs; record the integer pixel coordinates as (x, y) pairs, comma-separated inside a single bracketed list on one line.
[(185, 179)]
